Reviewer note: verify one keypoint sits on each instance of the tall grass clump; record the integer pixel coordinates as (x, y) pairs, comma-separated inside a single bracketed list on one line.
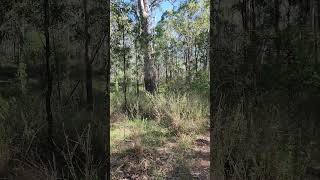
[(24, 152), (257, 140), (154, 134), (183, 113)]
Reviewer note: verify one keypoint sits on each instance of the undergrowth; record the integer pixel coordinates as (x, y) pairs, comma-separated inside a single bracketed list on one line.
[(256, 140), (155, 134), (24, 151)]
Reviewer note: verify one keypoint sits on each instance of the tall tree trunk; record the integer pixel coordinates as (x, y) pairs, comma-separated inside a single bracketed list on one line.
[(244, 15), (188, 65), (288, 14), (215, 94), (171, 65), (149, 66), (205, 61), (58, 72), (253, 18), (158, 71), (48, 72), (86, 58), (186, 62), (318, 12), (124, 70), (104, 173), (14, 52), (211, 64), (166, 65), (137, 72), (276, 27), (196, 54), (315, 29), (176, 64), (21, 60)]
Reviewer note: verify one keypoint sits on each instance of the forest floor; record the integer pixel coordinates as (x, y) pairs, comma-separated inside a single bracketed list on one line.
[(143, 149)]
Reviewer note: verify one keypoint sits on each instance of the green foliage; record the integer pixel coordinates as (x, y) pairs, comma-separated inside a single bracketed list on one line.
[(200, 83)]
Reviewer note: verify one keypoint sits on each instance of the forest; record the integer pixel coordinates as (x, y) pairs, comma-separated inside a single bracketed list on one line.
[(54, 102), (159, 89), (264, 79)]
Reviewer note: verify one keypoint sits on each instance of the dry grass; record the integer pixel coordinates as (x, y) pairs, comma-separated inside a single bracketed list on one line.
[(157, 139), (268, 149)]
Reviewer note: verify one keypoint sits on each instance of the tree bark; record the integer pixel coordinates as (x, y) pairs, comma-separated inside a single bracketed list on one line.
[(186, 62), (124, 70), (315, 29), (58, 74), (276, 27), (189, 64), (244, 13), (149, 66), (104, 173), (196, 54), (86, 58), (48, 72), (211, 64), (137, 73), (166, 65), (215, 93)]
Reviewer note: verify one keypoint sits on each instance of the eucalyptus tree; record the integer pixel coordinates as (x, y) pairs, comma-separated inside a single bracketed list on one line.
[(105, 170), (149, 65), (86, 57), (48, 70)]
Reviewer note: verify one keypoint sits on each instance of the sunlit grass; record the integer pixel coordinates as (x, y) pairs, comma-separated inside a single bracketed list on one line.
[(150, 133), (157, 134)]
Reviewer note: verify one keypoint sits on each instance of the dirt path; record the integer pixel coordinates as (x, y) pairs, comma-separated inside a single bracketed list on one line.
[(202, 157)]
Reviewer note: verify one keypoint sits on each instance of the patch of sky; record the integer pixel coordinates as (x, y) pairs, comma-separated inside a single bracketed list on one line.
[(162, 8)]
